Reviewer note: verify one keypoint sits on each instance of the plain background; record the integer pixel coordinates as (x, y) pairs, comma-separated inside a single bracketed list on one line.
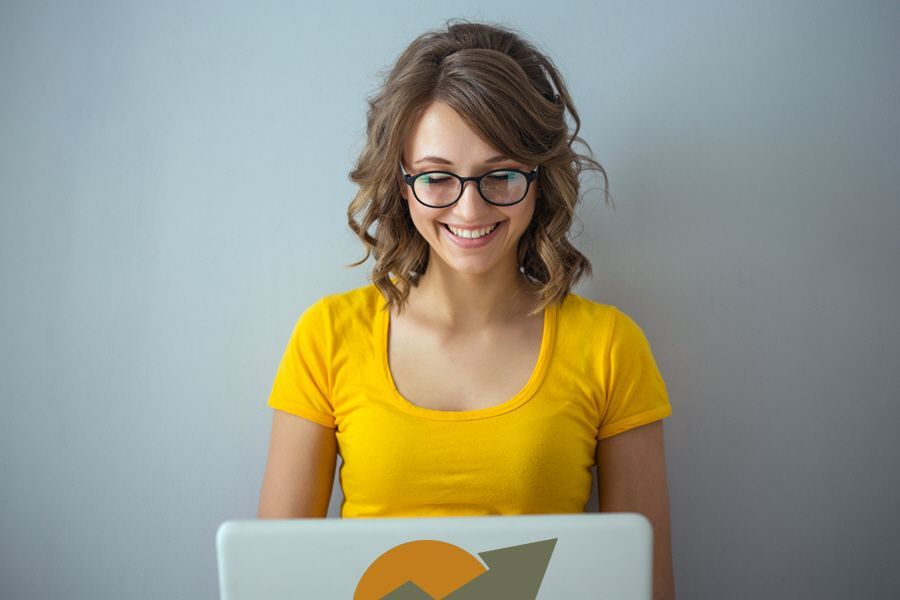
[(173, 194)]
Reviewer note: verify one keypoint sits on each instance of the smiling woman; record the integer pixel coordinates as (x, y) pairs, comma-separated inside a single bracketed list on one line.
[(467, 378), (488, 216), (480, 97)]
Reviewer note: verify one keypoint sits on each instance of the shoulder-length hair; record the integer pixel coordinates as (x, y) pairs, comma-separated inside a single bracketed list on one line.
[(500, 85)]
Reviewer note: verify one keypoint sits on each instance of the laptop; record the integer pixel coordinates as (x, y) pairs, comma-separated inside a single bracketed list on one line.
[(567, 556)]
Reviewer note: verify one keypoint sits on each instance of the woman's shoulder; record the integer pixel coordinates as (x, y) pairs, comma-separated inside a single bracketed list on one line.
[(361, 302), (576, 310), (592, 317)]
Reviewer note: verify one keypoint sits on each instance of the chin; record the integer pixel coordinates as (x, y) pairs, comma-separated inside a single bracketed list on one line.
[(473, 272), (472, 265), (473, 268)]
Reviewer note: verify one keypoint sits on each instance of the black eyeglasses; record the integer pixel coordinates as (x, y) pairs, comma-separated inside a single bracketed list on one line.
[(440, 189)]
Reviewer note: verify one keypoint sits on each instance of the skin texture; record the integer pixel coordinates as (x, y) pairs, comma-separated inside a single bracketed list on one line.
[(631, 473), (471, 305), (463, 148), (466, 290), (300, 469)]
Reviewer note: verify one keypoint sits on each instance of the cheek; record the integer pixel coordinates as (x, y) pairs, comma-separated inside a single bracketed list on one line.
[(424, 223), (412, 208), (525, 215)]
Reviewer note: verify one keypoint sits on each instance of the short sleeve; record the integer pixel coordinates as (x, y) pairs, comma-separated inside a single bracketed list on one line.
[(302, 382), (636, 393)]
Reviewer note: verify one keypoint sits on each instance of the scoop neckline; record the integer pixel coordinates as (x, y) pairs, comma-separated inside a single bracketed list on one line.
[(548, 338)]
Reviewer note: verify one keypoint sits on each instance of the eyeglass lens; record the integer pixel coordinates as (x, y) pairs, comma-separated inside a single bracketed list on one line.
[(502, 187)]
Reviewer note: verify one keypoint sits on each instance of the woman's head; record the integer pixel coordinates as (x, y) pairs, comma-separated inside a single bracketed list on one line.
[(502, 89), (452, 219)]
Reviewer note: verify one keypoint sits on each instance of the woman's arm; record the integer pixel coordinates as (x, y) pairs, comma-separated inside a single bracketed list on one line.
[(631, 474), (300, 470)]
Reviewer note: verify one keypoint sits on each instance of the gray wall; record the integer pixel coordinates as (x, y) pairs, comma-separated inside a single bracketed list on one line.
[(173, 188)]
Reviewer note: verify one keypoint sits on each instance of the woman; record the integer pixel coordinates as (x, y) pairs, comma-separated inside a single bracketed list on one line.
[(467, 379)]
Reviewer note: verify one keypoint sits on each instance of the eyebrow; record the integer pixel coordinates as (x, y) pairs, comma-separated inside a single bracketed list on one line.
[(444, 161)]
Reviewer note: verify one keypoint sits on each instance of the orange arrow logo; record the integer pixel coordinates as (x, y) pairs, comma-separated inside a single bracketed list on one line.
[(436, 570)]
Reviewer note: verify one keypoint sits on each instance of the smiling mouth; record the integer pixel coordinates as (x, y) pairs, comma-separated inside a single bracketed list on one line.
[(472, 234)]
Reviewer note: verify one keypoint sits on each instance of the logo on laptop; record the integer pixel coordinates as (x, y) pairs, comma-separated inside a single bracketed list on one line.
[(431, 570)]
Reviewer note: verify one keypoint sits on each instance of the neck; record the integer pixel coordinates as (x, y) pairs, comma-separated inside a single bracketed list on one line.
[(465, 302)]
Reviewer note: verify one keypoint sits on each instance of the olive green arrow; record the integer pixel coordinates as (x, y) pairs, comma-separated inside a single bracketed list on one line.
[(514, 572)]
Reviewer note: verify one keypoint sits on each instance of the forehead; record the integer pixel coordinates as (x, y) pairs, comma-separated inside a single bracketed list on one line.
[(440, 131)]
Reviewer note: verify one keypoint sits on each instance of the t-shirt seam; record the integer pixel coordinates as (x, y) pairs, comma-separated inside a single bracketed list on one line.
[(607, 359), (329, 352), (635, 419), (550, 333), (300, 407)]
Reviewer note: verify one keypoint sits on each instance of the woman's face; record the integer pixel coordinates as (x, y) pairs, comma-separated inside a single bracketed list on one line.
[(441, 133)]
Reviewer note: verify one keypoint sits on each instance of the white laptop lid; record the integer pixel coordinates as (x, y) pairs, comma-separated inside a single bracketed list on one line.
[(569, 556)]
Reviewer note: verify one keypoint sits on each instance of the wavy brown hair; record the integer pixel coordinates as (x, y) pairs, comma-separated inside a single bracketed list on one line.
[(500, 85)]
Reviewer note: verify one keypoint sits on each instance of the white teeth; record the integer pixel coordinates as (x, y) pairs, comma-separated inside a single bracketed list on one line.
[(472, 233)]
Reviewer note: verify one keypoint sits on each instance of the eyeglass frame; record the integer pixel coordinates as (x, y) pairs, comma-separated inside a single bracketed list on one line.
[(411, 180)]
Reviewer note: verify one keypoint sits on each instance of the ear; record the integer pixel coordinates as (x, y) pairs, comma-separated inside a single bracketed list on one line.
[(405, 192), (404, 189)]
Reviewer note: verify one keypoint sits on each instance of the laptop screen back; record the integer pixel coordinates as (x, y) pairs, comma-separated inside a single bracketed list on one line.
[(571, 556)]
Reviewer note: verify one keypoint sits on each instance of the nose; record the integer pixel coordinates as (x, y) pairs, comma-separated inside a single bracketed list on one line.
[(471, 206)]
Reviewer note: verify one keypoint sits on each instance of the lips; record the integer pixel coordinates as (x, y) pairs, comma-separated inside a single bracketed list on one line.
[(471, 226), (476, 242), (474, 233)]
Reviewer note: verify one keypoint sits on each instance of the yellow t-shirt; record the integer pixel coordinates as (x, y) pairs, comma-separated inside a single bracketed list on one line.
[(595, 377)]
